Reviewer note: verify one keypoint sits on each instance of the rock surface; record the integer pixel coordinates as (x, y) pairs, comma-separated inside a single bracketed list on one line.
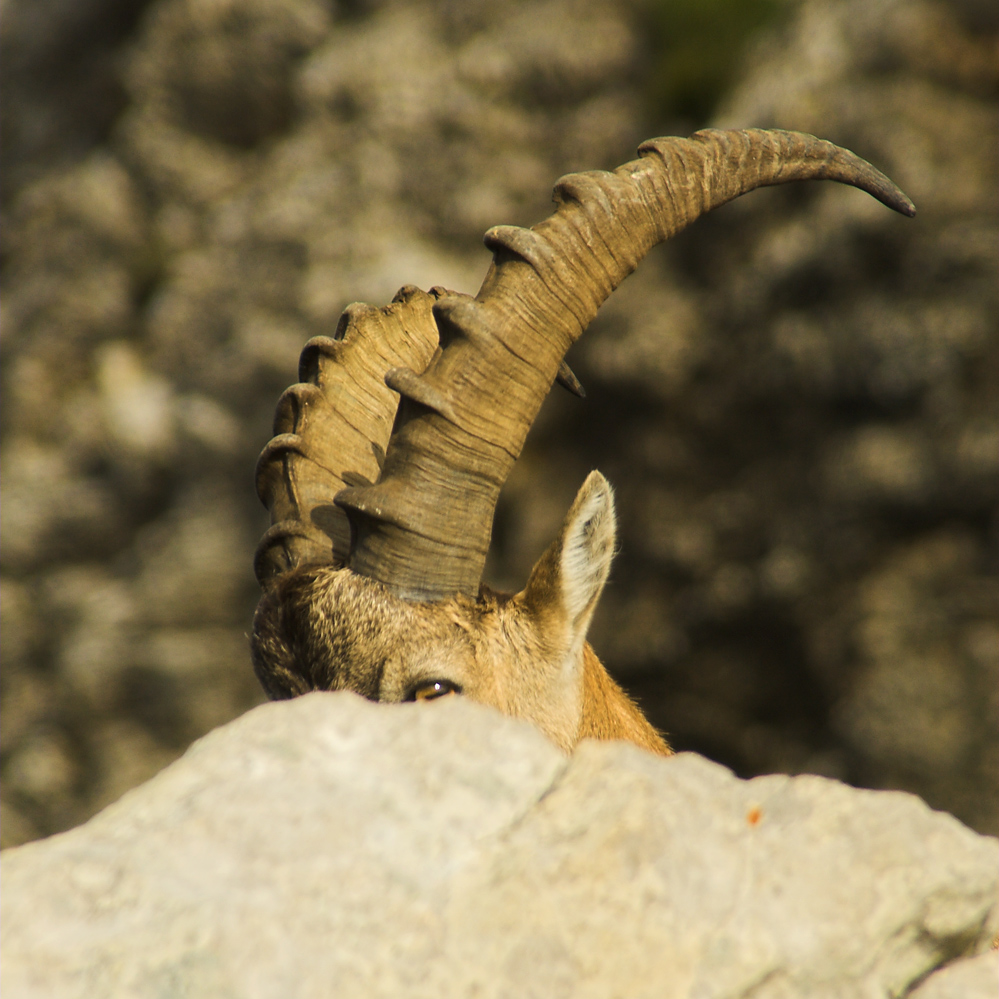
[(273, 162), (795, 401), (329, 846), (975, 976), (804, 582)]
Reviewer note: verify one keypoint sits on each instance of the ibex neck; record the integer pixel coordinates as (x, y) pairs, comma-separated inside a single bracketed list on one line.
[(609, 713)]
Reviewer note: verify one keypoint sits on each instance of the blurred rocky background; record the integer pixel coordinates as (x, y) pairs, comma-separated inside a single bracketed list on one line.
[(796, 399)]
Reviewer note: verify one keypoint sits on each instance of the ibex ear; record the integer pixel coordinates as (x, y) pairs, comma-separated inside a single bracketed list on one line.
[(569, 577)]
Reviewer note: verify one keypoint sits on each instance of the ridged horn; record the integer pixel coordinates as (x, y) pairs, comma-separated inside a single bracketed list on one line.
[(332, 429), (424, 528)]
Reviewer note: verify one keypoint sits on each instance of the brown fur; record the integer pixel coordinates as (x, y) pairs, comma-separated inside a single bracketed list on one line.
[(420, 520), (321, 628), (609, 713)]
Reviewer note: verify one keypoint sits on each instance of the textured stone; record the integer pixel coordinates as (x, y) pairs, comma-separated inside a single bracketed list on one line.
[(798, 424), (331, 846), (795, 401), (271, 163), (974, 976)]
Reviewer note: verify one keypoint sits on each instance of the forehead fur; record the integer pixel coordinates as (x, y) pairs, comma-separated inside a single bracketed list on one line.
[(329, 629)]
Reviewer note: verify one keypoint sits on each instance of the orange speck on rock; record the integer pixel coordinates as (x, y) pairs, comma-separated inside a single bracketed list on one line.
[(754, 815)]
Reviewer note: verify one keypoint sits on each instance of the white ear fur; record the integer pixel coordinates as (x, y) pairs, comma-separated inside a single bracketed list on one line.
[(588, 537)]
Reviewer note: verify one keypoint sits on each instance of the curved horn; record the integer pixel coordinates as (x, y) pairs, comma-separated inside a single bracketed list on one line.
[(424, 529), (331, 430)]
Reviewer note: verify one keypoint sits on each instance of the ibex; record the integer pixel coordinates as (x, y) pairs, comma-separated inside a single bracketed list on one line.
[(390, 454)]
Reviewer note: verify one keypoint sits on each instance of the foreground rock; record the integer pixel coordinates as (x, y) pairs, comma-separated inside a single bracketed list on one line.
[(328, 846)]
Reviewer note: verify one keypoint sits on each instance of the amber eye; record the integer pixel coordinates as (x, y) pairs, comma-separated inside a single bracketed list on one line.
[(433, 689)]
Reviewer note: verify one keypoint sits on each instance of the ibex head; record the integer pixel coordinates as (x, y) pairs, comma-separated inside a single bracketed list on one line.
[(391, 453)]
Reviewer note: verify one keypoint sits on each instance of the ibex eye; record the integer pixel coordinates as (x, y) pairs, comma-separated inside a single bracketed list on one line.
[(433, 689)]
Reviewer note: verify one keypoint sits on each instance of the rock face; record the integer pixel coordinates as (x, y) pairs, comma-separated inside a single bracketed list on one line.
[(274, 162), (328, 846), (796, 416), (795, 401)]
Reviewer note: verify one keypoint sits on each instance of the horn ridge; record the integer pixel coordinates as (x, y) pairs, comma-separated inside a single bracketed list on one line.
[(332, 429), (409, 384), (423, 529)]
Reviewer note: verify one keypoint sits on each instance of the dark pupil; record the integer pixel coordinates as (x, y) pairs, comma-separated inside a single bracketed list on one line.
[(433, 689), (439, 688)]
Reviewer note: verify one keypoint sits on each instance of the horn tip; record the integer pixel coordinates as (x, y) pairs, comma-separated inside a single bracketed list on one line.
[(566, 377), (895, 198)]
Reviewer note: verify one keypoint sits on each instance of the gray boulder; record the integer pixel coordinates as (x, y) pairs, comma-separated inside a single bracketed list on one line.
[(975, 976), (329, 846)]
